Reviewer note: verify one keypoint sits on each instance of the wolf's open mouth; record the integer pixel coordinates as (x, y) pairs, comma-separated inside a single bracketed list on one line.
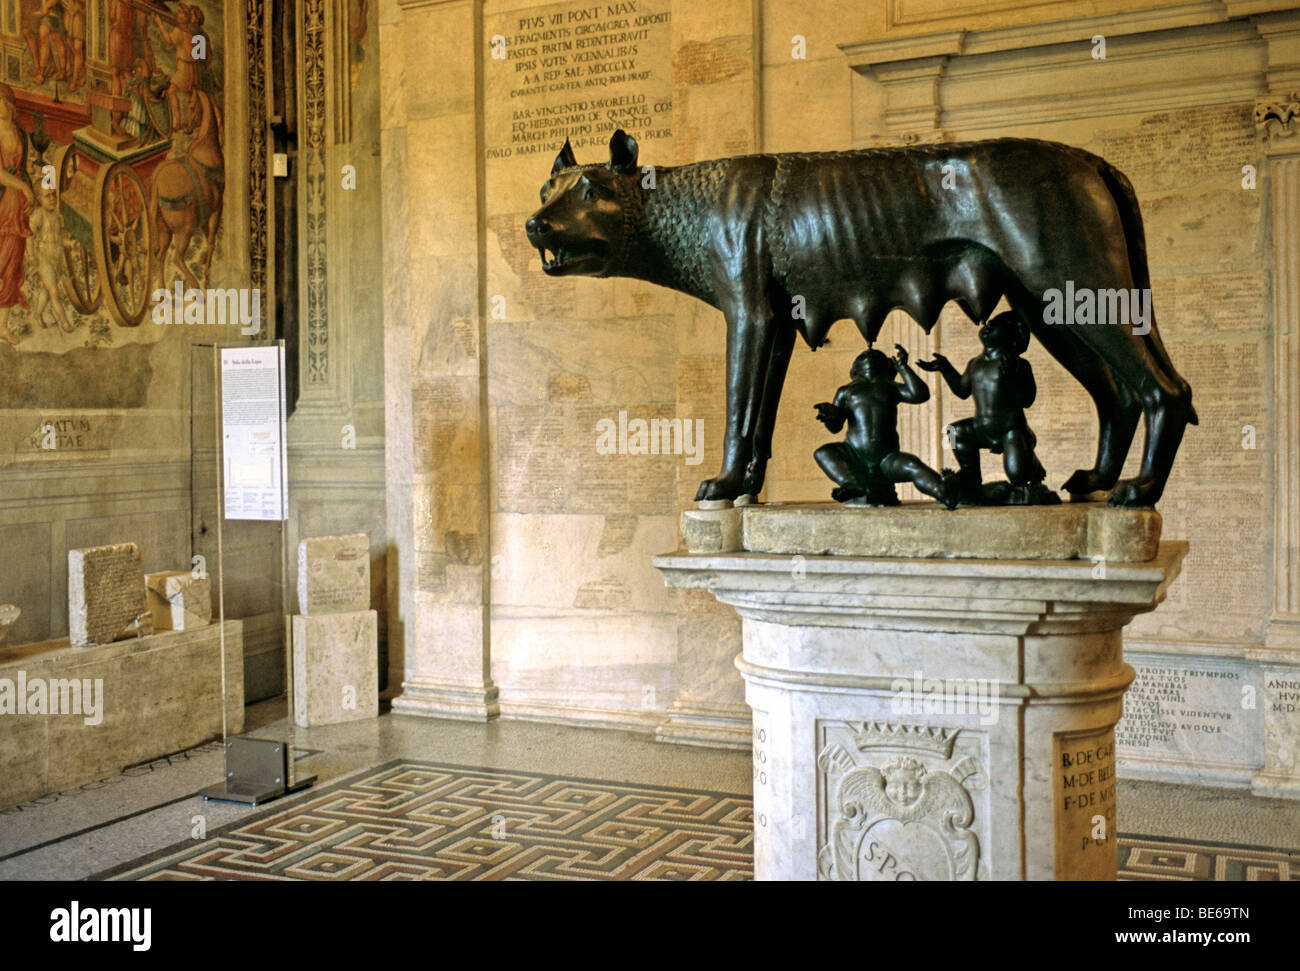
[(557, 259)]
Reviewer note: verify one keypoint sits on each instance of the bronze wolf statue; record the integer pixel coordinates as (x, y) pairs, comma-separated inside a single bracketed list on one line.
[(789, 244)]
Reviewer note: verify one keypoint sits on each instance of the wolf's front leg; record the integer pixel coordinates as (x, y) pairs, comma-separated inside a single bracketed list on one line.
[(749, 347), (778, 360)]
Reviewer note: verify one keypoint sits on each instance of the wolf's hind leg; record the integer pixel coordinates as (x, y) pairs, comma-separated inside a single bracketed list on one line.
[(1118, 408), (1166, 404)]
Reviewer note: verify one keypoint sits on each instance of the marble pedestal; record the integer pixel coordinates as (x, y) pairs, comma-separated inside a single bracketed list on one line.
[(931, 718)]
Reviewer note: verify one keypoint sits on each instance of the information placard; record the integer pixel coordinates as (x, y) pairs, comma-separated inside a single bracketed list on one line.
[(252, 432)]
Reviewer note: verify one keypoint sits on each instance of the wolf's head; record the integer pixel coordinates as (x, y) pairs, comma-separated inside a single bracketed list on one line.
[(587, 213)]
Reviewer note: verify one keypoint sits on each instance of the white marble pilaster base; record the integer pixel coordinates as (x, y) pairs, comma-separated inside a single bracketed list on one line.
[(717, 725), (447, 699), (932, 718), (447, 668)]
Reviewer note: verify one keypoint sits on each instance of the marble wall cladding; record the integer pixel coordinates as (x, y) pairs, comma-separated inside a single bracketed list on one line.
[(576, 367), (33, 581), (1195, 719)]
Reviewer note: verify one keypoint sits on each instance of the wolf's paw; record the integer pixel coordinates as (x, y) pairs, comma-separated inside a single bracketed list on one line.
[(721, 487), (1135, 493), (755, 473), (1086, 481)]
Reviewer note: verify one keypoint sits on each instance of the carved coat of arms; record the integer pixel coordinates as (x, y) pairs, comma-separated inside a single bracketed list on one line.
[(900, 820)]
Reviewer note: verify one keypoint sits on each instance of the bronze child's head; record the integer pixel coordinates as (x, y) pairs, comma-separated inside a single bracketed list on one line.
[(1005, 332), (872, 365)]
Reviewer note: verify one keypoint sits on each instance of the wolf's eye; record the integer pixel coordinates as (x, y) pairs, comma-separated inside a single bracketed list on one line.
[(588, 193)]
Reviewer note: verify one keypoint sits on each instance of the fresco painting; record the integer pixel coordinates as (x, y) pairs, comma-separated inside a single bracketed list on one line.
[(112, 165)]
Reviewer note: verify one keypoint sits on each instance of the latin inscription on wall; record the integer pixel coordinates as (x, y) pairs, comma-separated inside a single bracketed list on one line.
[(58, 433), (1177, 711), (577, 70)]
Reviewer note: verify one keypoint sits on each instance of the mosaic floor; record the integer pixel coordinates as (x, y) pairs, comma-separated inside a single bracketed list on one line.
[(1156, 858), (413, 820)]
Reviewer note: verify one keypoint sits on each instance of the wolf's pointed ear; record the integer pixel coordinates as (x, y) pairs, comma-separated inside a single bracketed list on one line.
[(565, 160), (622, 152)]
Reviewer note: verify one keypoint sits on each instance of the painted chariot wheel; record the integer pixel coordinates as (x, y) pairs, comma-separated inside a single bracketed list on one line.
[(124, 242), (74, 170)]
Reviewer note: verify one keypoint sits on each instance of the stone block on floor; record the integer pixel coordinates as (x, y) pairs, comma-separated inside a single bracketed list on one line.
[(334, 574), (335, 668), (87, 712)]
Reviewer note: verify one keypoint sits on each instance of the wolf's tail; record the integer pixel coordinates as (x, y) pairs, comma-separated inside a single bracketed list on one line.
[(1121, 189)]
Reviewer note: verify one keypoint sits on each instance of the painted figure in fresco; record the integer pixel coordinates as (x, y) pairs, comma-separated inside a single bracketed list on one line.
[(870, 460), (137, 122), (16, 201), (29, 19), (185, 78), (1002, 384), (48, 240), (127, 26), (185, 194), (75, 21), (52, 42)]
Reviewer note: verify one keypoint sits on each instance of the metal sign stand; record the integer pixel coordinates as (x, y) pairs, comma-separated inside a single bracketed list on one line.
[(258, 770)]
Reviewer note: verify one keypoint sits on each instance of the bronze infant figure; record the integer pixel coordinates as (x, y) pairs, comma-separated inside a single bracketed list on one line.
[(1002, 384), (870, 460)]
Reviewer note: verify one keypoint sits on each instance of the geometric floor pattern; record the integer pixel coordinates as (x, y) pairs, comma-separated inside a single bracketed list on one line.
[(410, 820), (1150, 858)]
